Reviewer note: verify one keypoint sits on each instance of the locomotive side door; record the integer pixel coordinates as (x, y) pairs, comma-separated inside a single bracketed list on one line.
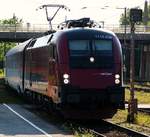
[(53, 73), (29, 64)]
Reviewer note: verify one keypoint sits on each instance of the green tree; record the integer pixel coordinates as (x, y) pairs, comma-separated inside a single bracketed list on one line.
[(124, 20), (145, 14), (11, 21), (5, 46)]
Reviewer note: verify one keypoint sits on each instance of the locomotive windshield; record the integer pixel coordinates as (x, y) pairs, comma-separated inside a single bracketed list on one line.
[(102, 47), (82, 50), (79, 47)]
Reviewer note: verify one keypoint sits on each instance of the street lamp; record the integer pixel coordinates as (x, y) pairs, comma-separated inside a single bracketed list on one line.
[(104, 7), (100, 8)]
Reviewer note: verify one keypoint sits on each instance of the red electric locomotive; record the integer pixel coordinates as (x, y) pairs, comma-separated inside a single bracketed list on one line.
[(77, 69)]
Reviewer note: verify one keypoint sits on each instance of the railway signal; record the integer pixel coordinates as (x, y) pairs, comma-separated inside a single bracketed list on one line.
[(135, 16)]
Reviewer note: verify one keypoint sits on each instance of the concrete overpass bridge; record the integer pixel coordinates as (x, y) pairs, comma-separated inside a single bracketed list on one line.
[(22, 36), (14, 33), (18, 36)]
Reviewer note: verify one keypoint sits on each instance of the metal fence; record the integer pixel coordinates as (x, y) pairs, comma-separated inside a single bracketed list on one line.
[(24, 28), (121, 28)]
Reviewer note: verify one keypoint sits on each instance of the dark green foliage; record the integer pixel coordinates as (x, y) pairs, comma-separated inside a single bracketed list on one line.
[(5, 46), (145, 14), (11, 21), (123, 20)]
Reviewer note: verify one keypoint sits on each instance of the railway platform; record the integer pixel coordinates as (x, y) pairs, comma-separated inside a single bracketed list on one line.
[(19, 122)]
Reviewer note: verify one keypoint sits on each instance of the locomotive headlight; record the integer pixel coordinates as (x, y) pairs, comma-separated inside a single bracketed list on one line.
[(117, 81), (117, 76), (66, 81), (65, 76)]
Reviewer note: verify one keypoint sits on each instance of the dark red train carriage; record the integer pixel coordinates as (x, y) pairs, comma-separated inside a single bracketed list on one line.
[(74, 69)]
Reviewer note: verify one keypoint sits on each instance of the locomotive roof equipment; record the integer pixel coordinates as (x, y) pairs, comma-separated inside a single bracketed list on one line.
[(83, 22)]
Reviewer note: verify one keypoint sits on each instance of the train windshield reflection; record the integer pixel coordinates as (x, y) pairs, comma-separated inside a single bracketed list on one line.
[(79, 47), (81, 50)]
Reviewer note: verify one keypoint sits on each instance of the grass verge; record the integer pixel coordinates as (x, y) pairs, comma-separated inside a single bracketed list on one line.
[(141, 124), (143, 97), (1, 73), (86, 134)]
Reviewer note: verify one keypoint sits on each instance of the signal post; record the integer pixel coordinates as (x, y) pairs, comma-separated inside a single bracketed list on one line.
[(135, 16)]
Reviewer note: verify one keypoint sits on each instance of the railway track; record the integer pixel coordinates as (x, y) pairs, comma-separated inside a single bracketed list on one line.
[(144, 110), (107, 129), (119, 131), (101, 128), (140, 89), (97, 134)]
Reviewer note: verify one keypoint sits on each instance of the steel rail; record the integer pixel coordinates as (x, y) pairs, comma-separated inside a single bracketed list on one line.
[(104, 128), (129, 132), (97, 134), (144, 110), (140, 89)]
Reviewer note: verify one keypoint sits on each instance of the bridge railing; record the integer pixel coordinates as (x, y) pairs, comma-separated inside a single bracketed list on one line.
[(24, 28), (121, 28), (45, 27)]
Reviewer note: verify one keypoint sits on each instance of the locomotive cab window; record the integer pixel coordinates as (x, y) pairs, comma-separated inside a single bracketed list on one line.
[(79, 47), (79, 53), (102, 47), (103, 52)]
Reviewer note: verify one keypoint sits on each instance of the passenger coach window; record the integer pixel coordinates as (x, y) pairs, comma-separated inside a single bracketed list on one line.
[(79, 47)]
